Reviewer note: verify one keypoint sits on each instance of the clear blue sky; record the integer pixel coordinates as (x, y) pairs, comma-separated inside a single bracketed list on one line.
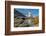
[(35, 12)]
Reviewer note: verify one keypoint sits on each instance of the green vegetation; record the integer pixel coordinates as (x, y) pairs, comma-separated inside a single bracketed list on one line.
[(22, 25), (17, 21)]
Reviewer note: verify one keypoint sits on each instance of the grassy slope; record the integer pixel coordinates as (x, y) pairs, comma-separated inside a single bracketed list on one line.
[(35, 21)]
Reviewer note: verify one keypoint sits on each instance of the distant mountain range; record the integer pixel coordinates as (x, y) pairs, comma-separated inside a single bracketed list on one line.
[(19, 14)]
